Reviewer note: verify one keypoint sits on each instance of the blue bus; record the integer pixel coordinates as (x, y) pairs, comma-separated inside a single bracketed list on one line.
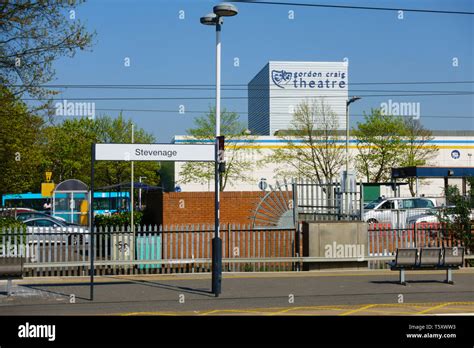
[(104, 203)]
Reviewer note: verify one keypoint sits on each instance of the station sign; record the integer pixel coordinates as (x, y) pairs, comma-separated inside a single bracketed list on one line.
[(155, 152)]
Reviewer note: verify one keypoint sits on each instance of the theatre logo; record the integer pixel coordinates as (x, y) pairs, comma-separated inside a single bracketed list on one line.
[(310, 79)]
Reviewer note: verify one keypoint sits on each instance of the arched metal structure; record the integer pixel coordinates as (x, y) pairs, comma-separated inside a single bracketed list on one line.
[(277, 208), (71, 201)]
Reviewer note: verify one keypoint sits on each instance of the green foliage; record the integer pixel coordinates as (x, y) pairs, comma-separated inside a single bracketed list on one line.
[(381, 146), (67, 148), (10, 222), (457, 216), (34, 34), (20, 155), (118, 219), (119, 130), (238, 157)]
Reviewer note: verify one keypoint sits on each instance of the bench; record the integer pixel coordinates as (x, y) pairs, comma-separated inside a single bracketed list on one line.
[(11, 268), (447, 258)]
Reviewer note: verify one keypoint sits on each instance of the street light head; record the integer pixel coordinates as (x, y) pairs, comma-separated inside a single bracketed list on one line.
[(225, 10), (353, 99), (209, 19)]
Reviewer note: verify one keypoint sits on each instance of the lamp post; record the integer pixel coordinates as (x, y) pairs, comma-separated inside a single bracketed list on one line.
[(348, 102), (216, 19), (140, 192)]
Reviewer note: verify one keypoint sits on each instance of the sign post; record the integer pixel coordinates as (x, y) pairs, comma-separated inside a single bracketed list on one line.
[(146, 152)]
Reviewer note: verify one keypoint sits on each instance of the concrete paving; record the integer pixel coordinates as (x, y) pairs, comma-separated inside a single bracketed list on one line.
[(303, 293)]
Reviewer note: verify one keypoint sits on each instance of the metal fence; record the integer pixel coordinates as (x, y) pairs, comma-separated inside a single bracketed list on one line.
[(384, 240), (328, 201), (148, 250), (187, 248)]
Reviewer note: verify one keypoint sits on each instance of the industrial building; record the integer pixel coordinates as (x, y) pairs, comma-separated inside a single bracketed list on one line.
[(455, 149)]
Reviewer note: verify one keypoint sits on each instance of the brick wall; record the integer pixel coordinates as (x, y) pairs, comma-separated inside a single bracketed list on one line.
[(198, 207)]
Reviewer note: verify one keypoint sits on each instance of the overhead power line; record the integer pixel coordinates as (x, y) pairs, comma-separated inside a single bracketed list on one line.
[(246, 113), (223, 85), (244, 97), (371, 8)]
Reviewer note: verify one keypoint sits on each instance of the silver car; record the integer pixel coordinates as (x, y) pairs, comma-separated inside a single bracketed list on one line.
[(396, 210), (51, 230)]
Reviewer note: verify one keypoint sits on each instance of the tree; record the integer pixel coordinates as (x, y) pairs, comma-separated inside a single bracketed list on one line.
[(457, 215), (119, 130), (238, 156), (67, 148), (418, 150), (20, 155), (33, 35), (380, 145), (319, 157)]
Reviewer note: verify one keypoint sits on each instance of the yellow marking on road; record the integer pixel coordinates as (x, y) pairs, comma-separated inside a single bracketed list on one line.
[(172, 314), (435, 307), (376, 308), (232, 311), (358, 309)]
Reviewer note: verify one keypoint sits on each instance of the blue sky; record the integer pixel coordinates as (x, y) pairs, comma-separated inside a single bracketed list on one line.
[(164, 49)]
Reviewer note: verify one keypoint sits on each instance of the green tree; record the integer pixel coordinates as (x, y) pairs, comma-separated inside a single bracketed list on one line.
[(238, 156), (380, 145), (418, 150), (67, 148), (457, 216), (119, 130), (32, 35), (319, 156), (20, 154)]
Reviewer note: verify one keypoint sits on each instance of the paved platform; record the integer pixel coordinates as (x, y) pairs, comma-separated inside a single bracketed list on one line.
[(283, 293)]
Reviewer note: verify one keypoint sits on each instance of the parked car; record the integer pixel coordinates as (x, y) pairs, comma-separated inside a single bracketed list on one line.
[(386, 209), (432, 216), (47, 230), (27, 215)]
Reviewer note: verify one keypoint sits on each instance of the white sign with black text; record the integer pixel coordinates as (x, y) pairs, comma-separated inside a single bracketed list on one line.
[(155, 152)]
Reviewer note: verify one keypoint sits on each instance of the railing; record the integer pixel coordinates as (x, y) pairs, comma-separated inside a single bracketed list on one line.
[(187, 249), (384, 240), (328, 201), (169, 249)]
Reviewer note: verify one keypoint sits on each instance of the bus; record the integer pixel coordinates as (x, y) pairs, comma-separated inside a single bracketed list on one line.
[(105, 203)]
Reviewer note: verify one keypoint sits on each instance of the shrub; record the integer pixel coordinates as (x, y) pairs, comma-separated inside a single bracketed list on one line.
[(118, 219)]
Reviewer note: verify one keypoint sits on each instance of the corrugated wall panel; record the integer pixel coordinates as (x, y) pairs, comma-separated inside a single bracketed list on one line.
[(259, 103)]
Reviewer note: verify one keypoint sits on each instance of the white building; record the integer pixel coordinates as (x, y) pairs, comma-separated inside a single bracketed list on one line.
[(456, 149), (276, 91)]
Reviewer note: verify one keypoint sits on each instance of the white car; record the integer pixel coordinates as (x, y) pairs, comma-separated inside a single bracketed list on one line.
[(50, 230), (386, 209), (431, 217)]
